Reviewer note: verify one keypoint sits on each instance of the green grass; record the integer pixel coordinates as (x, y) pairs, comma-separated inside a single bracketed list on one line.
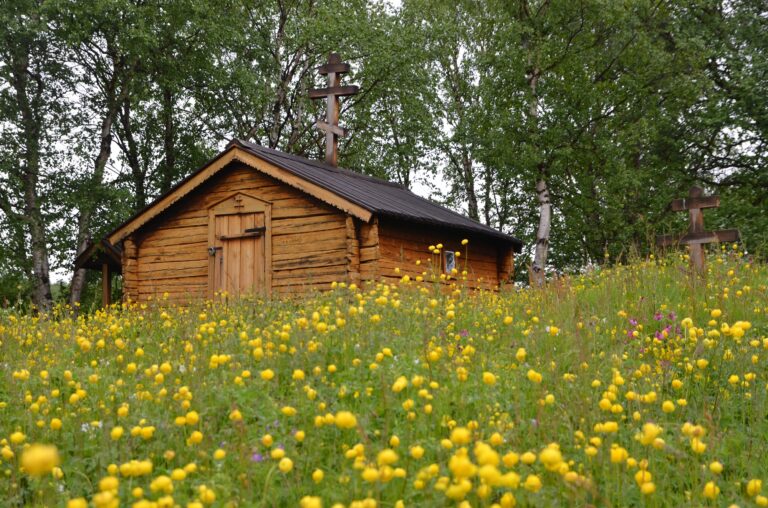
[(353, 345)]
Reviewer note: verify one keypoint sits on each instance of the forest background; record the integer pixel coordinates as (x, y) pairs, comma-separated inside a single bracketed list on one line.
[(600, 111)]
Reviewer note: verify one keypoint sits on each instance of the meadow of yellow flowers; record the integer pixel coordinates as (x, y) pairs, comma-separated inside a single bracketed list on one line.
[(632, 386)]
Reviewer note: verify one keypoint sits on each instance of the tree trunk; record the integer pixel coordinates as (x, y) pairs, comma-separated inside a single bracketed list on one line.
[(538, 270), (131, 152), (468, 176), (31, 122), (169, 142), (100, 163)]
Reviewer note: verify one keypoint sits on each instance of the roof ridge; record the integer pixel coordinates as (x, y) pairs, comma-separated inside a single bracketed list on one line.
[(318, 164)]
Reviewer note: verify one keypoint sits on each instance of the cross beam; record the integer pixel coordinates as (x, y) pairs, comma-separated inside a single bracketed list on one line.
[(333, 70), (697, 236)]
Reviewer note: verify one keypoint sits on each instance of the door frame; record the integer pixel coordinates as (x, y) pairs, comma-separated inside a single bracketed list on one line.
[(233, 206)]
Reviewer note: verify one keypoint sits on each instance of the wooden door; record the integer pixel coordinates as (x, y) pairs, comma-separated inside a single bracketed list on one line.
[(239, 247)]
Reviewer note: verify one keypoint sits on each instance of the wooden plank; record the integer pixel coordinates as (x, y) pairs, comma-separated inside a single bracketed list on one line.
[(725, 235), (145, 268), (338, 91), (369, 254), (331, 235), (353, 251), (309, 272), (338, 68), (311, 261), (506, 264), (309, 229), (681, 205), (309, 279)]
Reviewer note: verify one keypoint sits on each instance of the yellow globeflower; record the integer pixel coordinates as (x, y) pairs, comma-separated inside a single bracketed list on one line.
[(489, 378), (345, 420), (460, 436), (534, 376), (711, 490), (267, 374), (116, 433), (754, 487), (532, 483), (195, 438), (285, 465), (40, 459)]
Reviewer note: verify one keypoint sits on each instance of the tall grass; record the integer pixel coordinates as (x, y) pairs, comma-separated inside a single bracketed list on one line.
[(619, 387)]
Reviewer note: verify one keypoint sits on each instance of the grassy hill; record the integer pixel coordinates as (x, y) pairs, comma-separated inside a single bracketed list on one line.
[(631, 386)]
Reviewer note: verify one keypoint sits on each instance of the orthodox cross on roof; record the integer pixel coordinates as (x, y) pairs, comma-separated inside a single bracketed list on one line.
[(697, 236), (333, 69)]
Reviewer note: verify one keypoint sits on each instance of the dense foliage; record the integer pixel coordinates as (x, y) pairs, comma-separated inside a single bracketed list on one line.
[(629, 386), (613, 107)]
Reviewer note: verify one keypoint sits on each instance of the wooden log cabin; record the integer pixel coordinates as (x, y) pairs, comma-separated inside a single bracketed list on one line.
[(258, 221)]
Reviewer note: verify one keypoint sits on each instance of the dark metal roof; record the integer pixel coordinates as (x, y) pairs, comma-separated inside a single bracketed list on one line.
[(375, 195)]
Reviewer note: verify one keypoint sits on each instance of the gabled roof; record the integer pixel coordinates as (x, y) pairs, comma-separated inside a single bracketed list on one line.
[(359, 195), (378, 196)]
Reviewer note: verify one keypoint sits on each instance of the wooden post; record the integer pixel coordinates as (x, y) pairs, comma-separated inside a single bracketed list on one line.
[(333, 70), (697, 236), (106, 285)]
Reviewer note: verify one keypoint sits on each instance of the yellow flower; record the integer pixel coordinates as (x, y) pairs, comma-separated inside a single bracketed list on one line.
[(668, 406), (219, 454), (109, 483), (489, 378), (386, 457), (417, 452), (460, 436), (551, 458), (195, 438), (285, 465), (754, 487), (532, 483), (370, 474), (78, 502), (18, 437), (192, 418), (716, 467), (649, 434), (267, 374), (400, 384), (534, 376), (648, 488), (310, 502), (711, 490), (318, 475), (345, 420), (56, 424), (40, 459)]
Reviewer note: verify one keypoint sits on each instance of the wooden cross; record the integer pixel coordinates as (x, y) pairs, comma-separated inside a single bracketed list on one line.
[(697, 236), (238, 202), (333, 69)]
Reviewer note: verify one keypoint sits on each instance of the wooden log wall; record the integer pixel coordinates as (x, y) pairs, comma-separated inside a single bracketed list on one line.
[(311, 242), (402, 244)]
